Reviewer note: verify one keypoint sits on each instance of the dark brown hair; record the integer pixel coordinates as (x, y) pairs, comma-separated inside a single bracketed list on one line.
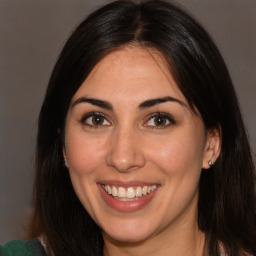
[(226, 208)]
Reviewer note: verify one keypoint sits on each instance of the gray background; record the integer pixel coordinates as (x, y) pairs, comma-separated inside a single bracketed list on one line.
[(31, 35)]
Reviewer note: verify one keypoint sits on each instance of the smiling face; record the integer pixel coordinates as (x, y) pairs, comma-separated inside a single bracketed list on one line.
[(135, 149)]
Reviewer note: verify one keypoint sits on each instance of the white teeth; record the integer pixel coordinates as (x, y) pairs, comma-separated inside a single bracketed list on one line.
[(114, 191), (131, 193), (138, 192), (109, 189), (145, 190), (121, 192)]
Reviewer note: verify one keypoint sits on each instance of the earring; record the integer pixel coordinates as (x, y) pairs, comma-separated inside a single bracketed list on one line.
[(210, 163), (65, 163)]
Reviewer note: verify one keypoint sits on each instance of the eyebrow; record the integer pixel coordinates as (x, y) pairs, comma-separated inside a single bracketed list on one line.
[(143, 105), (154, 102), (95, 102)]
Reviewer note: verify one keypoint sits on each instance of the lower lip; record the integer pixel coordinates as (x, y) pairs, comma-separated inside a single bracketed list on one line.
[(126, 206)]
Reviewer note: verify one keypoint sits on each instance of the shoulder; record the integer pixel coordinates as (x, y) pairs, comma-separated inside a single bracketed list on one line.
[(22, 248)]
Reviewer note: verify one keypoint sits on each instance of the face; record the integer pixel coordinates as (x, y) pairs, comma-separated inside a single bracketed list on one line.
[(134, 148)]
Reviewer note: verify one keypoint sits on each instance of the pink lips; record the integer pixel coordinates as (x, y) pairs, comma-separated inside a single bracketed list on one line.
[(125, 206)]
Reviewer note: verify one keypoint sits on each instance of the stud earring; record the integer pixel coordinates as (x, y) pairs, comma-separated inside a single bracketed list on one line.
[(210, 163), (65, 163)]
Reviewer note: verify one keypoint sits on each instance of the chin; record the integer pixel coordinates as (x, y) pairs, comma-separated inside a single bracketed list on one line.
[(127, 238), (129, 234)]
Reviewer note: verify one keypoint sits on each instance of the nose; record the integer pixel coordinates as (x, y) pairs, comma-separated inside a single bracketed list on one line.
[(125, 152)]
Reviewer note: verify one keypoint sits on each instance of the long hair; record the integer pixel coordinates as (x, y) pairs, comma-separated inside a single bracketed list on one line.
[(226, 207)]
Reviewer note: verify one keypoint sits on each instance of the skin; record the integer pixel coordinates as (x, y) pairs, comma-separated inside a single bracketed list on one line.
[(128, 145)]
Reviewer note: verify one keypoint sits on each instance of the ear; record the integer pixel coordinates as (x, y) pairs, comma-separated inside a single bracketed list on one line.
[(212, 147)]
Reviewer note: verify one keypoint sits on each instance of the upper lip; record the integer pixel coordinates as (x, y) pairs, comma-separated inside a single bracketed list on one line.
[(126, 184)]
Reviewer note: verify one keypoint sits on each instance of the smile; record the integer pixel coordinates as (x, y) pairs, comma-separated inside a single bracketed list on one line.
[(130, 193), (127, 197)]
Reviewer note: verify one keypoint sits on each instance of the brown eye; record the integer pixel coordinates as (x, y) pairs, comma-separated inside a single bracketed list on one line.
[(95, 119), (160, 120)]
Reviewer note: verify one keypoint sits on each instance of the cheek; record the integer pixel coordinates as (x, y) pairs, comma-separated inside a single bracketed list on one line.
[(169, 158), (83, 154), (178, 154), (84, 158)]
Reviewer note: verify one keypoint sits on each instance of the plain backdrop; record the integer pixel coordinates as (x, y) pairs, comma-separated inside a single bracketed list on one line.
[(32, 34)]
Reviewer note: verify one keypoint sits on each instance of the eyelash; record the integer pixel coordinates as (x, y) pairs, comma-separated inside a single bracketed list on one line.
[(166, 117), (96, 115)]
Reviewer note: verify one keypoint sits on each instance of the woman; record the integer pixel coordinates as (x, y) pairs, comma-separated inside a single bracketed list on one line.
[(141, 146)]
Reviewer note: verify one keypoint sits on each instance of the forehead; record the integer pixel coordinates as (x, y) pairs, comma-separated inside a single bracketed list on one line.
[(129, 71)]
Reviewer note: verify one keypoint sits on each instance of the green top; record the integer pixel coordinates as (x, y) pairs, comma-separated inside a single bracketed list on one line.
[(22, 248)]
